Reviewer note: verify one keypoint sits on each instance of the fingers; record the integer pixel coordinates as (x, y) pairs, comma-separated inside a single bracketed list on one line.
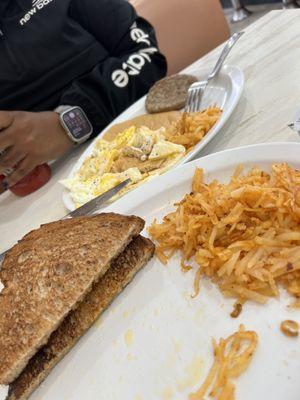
[(6, 139), (14, 151), (21, 170), (6, 119), (3, 186), (11, 158)]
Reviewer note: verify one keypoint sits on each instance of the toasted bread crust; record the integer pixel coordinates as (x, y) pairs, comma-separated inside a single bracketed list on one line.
[(47, 274), (122, 271)]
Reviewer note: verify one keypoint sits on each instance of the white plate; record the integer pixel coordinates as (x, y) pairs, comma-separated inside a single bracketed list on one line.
[(171, 333), (225, 93)]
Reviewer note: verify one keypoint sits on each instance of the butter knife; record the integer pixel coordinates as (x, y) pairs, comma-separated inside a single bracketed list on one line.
[(90, 207), (97, 202)]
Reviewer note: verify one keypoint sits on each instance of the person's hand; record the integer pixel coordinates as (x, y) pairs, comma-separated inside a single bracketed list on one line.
[(30, 139)]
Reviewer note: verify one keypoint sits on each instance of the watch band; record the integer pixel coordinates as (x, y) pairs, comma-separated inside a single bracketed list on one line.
[(61, 109)]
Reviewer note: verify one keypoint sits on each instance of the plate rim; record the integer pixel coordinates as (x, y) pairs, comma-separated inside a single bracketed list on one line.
[(165, 180)]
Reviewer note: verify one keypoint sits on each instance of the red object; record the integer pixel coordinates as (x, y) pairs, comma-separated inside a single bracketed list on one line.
[(33, 181)]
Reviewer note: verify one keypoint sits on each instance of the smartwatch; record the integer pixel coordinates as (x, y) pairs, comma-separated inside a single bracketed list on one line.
[(75, 123)]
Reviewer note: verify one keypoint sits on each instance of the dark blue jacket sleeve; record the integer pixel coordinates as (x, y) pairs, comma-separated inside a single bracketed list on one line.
[(133, 65)]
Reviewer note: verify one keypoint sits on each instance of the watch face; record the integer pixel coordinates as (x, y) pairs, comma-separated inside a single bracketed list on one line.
[(77, 123)]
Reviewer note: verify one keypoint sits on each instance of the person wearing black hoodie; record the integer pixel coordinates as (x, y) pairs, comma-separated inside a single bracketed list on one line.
[(67, 69)]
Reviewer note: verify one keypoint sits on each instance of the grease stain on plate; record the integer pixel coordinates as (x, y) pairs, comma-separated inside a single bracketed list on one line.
[(167, 393), (194, 372), (126, 314), (131, 357), (157, 311), (177, 345), (129, 337), (199, 315)]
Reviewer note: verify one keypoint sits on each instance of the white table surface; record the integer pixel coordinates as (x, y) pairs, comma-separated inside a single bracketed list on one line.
[(269, 55)]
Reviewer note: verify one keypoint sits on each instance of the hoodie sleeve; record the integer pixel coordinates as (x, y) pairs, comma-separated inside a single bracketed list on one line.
[(134, 62)]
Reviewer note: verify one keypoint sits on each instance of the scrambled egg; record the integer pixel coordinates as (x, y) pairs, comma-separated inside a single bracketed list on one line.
[(135, 146)]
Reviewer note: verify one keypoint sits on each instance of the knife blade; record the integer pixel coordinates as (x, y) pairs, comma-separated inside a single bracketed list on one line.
[(90, 207), (97, 202)]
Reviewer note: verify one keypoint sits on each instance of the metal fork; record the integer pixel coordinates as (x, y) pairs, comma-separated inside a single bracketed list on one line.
[(197, 89)]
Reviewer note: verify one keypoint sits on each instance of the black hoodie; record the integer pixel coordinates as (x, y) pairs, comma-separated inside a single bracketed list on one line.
[(97, 54)]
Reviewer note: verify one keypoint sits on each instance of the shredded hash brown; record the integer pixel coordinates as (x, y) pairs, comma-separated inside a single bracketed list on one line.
[(232, 357), (192, 127), (244, 235)]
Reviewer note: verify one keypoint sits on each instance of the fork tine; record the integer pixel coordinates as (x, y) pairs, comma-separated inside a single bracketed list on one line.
[(199, 98), (201, 90), (187, 103), (194, 99), (189, 100)]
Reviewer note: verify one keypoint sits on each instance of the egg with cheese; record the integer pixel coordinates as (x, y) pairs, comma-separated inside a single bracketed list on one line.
[(164, 149), (97, 173)]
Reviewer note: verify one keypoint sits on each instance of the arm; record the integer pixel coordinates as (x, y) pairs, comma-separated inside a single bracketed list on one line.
[(133, 65)]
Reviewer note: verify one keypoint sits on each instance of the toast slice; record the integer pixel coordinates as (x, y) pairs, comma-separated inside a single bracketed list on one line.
[(47, 274), (121, 272)]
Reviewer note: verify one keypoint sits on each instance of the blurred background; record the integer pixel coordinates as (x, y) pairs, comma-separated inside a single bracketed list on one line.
[(241, 13), (201, 25)]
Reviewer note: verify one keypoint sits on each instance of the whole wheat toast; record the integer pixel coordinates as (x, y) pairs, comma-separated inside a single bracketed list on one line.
[(121, 272), (47, 274)]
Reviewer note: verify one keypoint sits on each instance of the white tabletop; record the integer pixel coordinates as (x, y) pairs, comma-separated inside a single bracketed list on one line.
[(269, 55)]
